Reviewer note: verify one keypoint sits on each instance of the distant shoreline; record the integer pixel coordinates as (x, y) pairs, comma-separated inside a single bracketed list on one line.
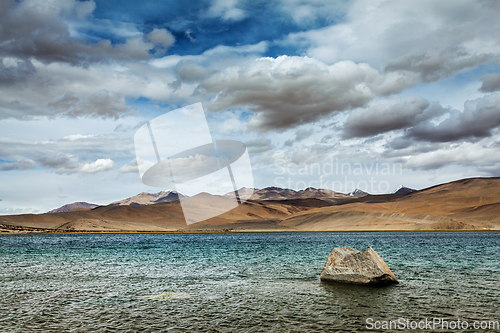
[(236, 232)]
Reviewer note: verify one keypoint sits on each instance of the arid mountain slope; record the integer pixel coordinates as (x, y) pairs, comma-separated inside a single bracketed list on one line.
[(464, 204)]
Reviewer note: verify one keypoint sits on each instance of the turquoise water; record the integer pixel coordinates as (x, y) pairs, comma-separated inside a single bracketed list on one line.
[(255, 282)]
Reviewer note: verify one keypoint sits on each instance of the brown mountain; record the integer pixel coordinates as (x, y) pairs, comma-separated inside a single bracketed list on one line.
[(140, 199), (73, 206), (277, 193), (146, 198), (464, 204), (472, 204)]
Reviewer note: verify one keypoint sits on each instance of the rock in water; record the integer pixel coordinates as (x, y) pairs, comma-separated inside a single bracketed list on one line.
[(347, 265)]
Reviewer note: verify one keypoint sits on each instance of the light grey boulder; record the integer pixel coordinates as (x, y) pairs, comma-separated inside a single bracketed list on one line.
[(347, 265)]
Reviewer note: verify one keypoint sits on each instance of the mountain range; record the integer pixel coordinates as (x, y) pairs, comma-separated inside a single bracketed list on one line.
[(468, 204), (268, 193)]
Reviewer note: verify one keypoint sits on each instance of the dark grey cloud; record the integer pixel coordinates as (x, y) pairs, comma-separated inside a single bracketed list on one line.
[(477, 120), (189, 71), (40, 30), (15, 109), (14, 72), (66, 102), (434, 65), (59, 161), (21, 164), (388, 115), (401, 147), (490, 83), (103, 104), (399, 143), (290, 91), (69, 164), (424, 121), (69, 155), (57, 153)]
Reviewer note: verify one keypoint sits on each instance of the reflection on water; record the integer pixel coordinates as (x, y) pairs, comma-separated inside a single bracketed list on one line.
[(230, 282)]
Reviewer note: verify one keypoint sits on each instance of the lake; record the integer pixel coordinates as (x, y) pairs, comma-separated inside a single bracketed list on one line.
[(229, 282)]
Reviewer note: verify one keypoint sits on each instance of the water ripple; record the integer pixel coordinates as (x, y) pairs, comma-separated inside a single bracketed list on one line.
[(238, 282)]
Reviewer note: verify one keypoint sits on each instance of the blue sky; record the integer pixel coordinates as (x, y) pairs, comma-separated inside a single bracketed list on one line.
[(305, 84), (258, 21)]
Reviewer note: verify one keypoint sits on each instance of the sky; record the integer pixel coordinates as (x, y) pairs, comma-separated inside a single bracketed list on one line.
[(325, 94)]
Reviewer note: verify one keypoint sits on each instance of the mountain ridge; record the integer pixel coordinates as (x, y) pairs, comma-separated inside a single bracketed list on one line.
[(80, 205), (467, 204), (404, 190)]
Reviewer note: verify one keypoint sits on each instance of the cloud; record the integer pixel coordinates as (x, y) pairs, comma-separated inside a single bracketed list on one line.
[(424, 121), (32, 29), (288, 91), (303, 134), (434, 65), (299, 136), (188, 168), (477, 120), (133, 48), (59, 161), (161, 37), (188, 71), (259, 145), (69, 164), (16, 211), (103, 104), (65, 102), (189, 34), (21, 164), (227, 10), (466, 153), (15, 71), (305, 12), (130, 168), (430, 40), (66, 153), (490, 83), (387, 115), (60, 89), (96, 166)]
